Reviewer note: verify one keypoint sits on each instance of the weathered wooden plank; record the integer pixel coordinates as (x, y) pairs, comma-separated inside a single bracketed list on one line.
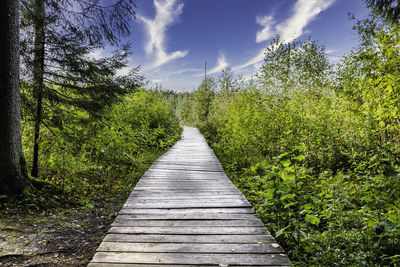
[(183, 181), (182, 178), (196, 163), (169, 265), (184, 193), (208, 239), (189, 169), (190, 230), (171, 179), (173, 188), (185, 201), (187, 190), (186, 211), (158, 197), (162, 197), (193, 223), (190, 248), (180, 173), (197, 216), (188, 258), (184, 184), (199, 161), (183, 205)]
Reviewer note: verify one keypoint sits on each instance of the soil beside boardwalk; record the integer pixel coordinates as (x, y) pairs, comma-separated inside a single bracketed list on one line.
[(65, 236)]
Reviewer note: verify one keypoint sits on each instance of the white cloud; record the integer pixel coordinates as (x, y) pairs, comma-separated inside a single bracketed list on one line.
[(254, 60), (221, 64), (123, 71), (303, 13), (330, 51), (167, 12), (185, 71), (267, 32), (96, 54), (155, 81)]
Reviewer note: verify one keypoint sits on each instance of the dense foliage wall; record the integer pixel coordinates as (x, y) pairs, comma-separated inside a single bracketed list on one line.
[(315, 147)]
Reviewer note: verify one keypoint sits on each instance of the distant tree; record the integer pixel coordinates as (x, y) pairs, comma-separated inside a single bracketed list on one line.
[(203, 98), (296, 65), (388, 9), (226, 81), (13, 176), (62, 68)]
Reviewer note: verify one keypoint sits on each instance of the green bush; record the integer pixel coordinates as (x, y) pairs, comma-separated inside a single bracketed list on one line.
[(89, 157)]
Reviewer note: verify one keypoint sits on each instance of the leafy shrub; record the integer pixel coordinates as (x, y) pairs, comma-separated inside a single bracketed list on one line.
[(89, 157)]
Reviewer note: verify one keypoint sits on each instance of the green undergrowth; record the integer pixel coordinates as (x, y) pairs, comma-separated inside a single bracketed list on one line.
[(328, 219), (85, 160)]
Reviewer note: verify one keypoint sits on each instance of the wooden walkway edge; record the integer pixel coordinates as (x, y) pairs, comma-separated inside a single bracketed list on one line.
[(186, 212)]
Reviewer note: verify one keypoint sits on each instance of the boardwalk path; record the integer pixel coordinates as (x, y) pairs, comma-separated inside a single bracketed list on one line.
[(186, 212)]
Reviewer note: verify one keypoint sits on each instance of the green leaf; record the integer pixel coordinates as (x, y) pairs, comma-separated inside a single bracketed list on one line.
[(286, 162), (289, 204), (300, 158), (313, 219), (280, 232), (287, 176), (303, 234), (288, 196), (300, 147), (372, 223)]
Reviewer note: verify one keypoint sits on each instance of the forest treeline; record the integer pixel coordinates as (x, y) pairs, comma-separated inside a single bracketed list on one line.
[(314, 145)]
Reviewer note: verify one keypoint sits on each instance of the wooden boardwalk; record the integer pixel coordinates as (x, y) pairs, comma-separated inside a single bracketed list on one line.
[(186, 212)]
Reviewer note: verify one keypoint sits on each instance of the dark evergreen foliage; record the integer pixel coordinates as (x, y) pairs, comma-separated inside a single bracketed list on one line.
[(74, 29), (59, 58)]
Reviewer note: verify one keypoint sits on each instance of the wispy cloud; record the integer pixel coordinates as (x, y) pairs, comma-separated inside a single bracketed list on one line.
[(180, 71), (267, 32), (303, 13), (221, 64), (254, 60), (167, 13)]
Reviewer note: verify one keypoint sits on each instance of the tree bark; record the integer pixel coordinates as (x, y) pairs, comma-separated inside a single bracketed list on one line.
[(38, 70), (13, 176)]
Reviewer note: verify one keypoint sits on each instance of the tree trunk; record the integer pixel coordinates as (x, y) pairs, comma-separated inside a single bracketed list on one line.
[(13, 176), (38, 69)]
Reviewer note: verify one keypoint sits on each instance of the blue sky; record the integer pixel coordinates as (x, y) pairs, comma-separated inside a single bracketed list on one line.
[(171, 39)]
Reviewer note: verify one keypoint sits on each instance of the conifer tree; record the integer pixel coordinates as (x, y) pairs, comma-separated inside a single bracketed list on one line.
[(59, 63)]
